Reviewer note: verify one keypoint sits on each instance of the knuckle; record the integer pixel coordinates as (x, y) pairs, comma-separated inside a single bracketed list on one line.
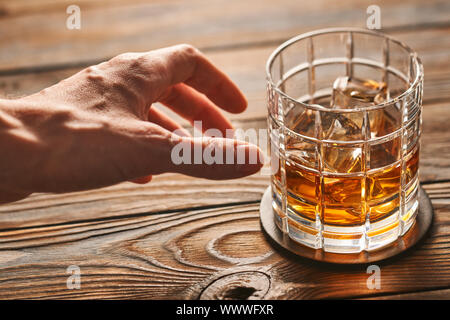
[(95, 75), (188, 52), (128, 68), (127, 61), (123, 57), (188, 49), (137, 62), (89, 70), (159, 66)]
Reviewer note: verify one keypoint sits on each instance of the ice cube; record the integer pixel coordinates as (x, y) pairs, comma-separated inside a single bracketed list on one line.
[(342, 160), (342, 127), (303, 122), (353, 92), (301, 151)]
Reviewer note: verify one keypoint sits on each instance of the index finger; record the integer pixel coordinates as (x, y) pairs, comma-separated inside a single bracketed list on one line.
[(184, 63)]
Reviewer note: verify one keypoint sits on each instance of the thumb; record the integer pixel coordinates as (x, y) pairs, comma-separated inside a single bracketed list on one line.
[(215, 158), (204, 157)]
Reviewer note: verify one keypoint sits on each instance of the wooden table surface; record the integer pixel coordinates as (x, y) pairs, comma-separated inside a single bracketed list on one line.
[(185, 238)]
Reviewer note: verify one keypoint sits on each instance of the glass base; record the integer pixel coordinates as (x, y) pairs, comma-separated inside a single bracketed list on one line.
[(347, 239)]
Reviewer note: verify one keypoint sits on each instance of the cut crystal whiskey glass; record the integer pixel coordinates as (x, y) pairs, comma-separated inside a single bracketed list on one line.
[(344, 126)]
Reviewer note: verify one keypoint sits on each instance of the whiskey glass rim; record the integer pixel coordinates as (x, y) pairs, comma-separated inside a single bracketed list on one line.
[(413, 55)]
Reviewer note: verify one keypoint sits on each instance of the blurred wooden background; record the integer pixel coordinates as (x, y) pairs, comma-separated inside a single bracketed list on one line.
[(180, 237)]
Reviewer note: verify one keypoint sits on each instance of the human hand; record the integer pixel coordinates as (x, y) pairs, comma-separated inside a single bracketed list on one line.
[(98, 127)]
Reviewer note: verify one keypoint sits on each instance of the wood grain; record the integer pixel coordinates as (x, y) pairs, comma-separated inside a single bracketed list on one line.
[(166, 193), (433, 46), (32, 37), (185, 238), (421, 295), (184, 254)]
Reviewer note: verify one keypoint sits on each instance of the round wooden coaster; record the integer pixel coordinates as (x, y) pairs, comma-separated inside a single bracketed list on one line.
[(415, 233)]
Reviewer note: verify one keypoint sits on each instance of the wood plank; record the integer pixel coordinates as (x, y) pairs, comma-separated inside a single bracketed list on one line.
[(28, 7), (422, 295), (166, 193), (31, 36), (141, 242), (435, 152), (172, 192), (192, 254), (433, 46)]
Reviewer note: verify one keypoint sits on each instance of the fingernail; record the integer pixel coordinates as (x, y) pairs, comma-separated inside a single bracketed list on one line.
[(230, 133), (247, 150), (261, 157)]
